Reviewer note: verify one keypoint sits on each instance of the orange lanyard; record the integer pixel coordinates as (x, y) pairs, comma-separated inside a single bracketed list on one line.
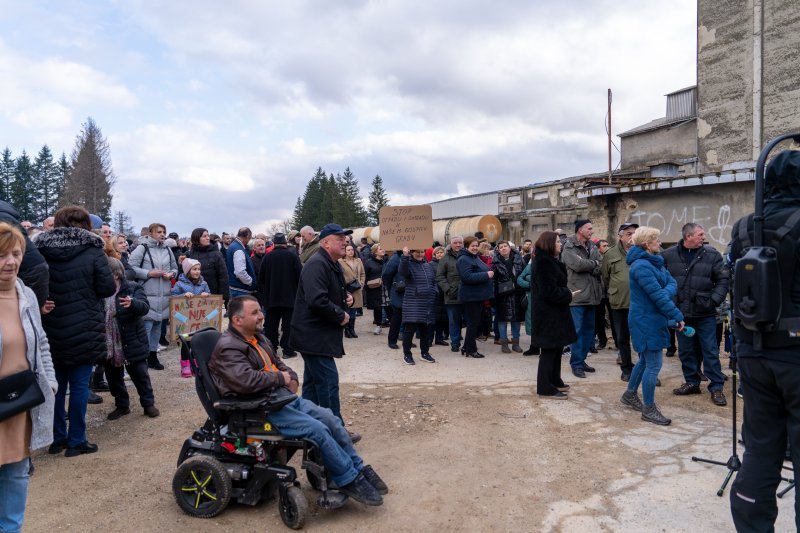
[(254, 343)]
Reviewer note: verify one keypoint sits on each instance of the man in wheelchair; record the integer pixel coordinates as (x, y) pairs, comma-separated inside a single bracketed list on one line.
[(245, 366)]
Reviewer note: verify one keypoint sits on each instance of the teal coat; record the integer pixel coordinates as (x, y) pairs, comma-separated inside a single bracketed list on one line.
[(524, 282)]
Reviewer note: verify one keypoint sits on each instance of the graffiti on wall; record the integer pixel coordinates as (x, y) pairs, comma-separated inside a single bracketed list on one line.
[(717, 221)]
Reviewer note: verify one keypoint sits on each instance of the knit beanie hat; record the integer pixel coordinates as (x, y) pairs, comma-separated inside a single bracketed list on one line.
[(580, 223), (187, 265)]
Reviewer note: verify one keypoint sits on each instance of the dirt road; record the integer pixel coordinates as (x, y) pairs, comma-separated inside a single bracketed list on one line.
[(465, 445)]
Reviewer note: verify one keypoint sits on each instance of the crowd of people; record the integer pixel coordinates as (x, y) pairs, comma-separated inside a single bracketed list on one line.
[(103, 311)]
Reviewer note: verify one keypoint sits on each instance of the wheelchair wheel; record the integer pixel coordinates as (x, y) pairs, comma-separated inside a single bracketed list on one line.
[(294, 508), (202, 487)]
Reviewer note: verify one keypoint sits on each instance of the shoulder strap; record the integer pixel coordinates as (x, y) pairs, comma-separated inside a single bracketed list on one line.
[(789, 225), (147, 251), (743, 234)]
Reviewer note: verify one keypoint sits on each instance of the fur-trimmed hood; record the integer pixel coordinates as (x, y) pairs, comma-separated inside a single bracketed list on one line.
[(62, 244)]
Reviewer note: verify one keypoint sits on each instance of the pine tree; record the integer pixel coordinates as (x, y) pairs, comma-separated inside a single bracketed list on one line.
[(22, 197), (309, 210), (7, 168), (377, 199), (91, 177), (45, 184), (62, 170), (355, 214)]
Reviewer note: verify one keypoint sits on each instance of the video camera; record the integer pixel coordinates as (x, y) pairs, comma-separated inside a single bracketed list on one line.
[(762, 282)]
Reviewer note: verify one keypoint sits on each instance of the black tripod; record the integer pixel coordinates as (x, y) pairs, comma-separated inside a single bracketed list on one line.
[(733, 464)]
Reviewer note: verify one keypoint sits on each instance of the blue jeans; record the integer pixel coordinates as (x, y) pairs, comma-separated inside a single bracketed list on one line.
[(646, 372), (706, 332), (303, 419), (13, 494), (455, 314), (583, 316), (321, 382), (503, 330), (153, 330), (77, 377)]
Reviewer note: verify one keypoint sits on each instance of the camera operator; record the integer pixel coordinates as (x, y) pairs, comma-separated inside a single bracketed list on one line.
[(770, 376)]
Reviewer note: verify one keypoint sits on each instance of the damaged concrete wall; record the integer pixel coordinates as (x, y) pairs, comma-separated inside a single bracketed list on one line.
[(715, 207), (747, 91)]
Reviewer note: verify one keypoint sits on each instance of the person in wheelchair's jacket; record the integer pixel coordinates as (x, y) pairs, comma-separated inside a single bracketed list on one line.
[(244, 365)]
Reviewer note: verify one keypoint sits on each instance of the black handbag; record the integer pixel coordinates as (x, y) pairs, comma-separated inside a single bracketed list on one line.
[(399, 286), (20, 392), (504, 288), (352, 286)]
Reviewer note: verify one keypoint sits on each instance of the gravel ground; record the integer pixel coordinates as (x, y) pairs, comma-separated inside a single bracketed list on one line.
[(464, 445)]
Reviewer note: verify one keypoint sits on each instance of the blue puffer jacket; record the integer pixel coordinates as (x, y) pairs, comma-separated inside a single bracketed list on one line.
[(419, 297), (184, 285), (476, 285), (391, 273), (652, 311)]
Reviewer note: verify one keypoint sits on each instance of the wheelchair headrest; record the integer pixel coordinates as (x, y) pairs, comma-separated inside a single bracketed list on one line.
[(202, 345)]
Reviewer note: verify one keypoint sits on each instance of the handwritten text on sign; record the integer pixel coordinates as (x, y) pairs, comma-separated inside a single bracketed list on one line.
[(187, 315), (409, 225)]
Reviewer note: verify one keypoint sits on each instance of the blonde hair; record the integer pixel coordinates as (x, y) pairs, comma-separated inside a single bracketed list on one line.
[(438, 249), (644, 235), (484, 248), (10, 236)]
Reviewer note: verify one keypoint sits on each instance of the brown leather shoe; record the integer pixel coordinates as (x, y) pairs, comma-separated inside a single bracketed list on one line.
[(151, 411), (718, 398)]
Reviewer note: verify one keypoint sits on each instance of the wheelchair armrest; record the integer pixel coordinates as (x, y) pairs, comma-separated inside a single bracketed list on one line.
[(238, 405)]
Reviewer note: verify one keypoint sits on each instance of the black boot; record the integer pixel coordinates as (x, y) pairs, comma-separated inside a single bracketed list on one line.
[(153, 362), (99, 383), (347, 332), (533, 350), (352, 330)]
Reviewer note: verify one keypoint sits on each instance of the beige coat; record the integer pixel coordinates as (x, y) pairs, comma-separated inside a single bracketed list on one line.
[(354, 269)]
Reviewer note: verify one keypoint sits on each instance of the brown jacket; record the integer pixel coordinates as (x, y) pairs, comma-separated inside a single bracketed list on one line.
[(238, 370)]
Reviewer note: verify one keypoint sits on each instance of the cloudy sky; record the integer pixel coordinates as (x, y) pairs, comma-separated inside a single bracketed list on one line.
[(217, 113)]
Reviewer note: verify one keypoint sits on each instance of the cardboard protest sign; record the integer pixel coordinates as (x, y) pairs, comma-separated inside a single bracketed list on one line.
[(406, 225), (187, 315)]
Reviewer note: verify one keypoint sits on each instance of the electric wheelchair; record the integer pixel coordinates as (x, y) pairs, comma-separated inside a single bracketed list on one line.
[(237, 454)]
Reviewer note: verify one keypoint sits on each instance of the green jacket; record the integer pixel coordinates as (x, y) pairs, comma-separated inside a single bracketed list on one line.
[(447, 277), (615, 277), (309, 250), (583, 271)]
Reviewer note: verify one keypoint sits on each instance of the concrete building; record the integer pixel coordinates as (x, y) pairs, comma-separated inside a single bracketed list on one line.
[(697, 163)]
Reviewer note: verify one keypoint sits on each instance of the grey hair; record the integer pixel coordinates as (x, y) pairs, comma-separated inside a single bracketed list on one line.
[(689, 228), (306, 229), (457, 237)]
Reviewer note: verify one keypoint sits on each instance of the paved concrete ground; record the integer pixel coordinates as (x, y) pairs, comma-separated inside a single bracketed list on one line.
[(464, 444)]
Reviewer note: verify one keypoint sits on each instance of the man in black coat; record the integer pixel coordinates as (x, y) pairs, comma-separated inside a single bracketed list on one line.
[(770, 375), (278, 278), (33, 271), (320, 315), (703, 280)]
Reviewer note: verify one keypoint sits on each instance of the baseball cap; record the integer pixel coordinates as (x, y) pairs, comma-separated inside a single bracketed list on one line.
[(333, 229)]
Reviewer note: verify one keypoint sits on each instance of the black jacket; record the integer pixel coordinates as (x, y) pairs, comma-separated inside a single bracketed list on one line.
[(33, 271), (79, 280), (509, 307), (702, 285), (129, 321), (319, 308), (212, 268), (551, 318), (278, 278), (373, 269)]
